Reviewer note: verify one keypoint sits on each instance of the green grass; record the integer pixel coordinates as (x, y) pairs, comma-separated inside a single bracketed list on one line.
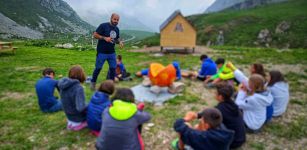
[(262, 55), (24, 126), (257, 146), (294, 130)]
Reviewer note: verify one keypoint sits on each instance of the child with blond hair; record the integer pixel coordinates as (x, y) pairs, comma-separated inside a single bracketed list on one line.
[(254, 102)]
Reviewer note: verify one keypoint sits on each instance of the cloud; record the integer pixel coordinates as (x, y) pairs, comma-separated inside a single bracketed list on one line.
[(151, 12)]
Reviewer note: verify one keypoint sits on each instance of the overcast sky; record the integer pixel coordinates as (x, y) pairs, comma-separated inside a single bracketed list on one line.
[(150, 12)]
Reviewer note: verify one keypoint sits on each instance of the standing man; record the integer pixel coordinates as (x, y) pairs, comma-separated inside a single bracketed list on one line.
[(107, 35)]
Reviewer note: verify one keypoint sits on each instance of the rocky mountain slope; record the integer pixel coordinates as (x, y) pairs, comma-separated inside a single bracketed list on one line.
[(36, 19)]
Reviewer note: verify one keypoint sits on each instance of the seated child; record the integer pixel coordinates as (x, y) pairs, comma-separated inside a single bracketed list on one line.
[(99, 101), (254, 102), (120, 123), (45, 87), (144, 72), (224, 73), (120, 72), (73, 98), (208, 68), (280, 92), (241, 78), (232, 116), (208, 135)]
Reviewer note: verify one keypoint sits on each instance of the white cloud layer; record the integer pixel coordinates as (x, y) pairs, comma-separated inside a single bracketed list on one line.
[(150, 12)]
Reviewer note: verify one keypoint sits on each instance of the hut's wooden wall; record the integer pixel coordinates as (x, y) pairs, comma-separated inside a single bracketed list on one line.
[(171, 38)]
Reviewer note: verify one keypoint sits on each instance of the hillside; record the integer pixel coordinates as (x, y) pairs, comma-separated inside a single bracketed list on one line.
[(39, 18), (247, 4), (220, 5), (241, 28), (135, 35)]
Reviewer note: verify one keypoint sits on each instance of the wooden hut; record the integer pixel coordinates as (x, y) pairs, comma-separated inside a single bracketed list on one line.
[(177, 33)]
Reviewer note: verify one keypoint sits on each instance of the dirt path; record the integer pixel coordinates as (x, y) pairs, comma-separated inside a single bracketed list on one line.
[(156, 49)]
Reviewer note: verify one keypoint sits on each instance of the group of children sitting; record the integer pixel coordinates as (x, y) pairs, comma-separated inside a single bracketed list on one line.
[(117, 121), (257, 99)]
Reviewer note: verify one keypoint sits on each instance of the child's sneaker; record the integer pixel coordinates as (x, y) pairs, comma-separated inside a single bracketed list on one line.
[(141, 106), (175, 144), (95, 133), (209, 85), (88, 79), (77, 127)]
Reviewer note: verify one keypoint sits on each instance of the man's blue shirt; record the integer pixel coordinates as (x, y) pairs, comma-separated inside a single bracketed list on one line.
[(107, 30)]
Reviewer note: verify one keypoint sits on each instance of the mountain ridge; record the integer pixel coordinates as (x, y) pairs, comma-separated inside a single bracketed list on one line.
[(46, 18), (220, 5)]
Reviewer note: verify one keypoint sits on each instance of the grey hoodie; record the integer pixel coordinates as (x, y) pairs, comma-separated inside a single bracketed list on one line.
[(73, 99), (280, 92), (254, 107)]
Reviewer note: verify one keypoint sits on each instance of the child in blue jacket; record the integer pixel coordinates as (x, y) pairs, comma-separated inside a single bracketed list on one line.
[(208, 68), (45, 89), (99, 101)]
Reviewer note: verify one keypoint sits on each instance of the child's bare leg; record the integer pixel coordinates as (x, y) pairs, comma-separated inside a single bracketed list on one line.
[(207, 80), (216, 80), (138, 74), (200, 126), (185, 74), (188, 124), (196, 127), (180, 143)]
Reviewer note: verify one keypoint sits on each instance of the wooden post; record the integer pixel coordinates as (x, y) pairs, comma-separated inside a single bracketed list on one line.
[(92, 41)]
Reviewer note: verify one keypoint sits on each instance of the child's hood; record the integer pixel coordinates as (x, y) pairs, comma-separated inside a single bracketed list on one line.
[(121, 110), (264, 98), (176, 65), (283, 86), (67, 83), (230, 107), (100, 97), (226, 69)]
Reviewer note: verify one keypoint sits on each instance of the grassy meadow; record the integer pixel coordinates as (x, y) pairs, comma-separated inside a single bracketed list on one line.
[(24, 126)]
